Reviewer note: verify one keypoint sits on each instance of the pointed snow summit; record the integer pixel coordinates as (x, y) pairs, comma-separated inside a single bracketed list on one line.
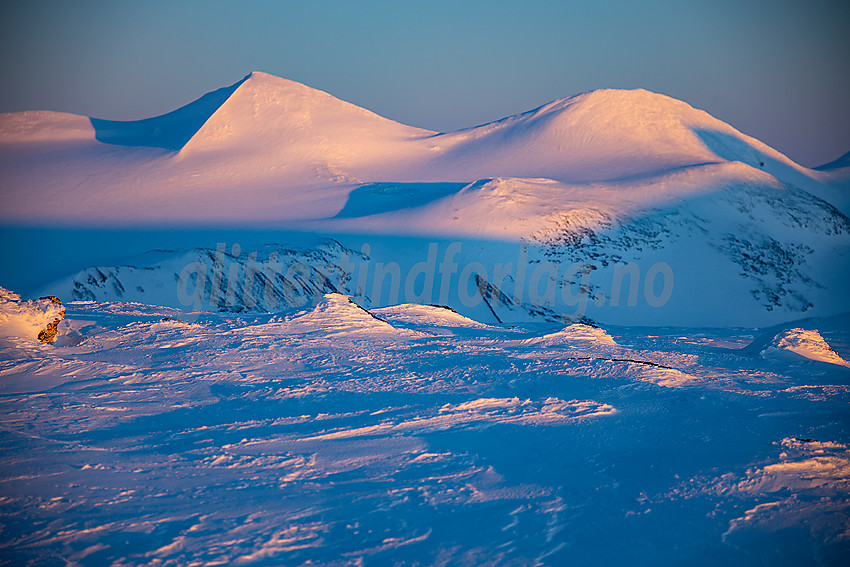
[(261, 112), (271, 114)]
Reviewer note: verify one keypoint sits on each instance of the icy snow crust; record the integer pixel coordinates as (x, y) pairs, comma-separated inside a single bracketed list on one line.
[(410, 434)]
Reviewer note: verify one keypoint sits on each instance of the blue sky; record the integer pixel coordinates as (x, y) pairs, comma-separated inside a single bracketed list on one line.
[(774, 69)]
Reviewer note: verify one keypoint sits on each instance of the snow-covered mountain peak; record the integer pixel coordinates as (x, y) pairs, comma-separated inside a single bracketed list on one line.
[(296, 153), (631, 104), (265, 113), (636, 113), (258, 83), (262, 76), (606, 135)]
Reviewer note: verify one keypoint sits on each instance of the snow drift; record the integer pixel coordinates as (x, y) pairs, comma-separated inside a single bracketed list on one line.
[(804, 343)]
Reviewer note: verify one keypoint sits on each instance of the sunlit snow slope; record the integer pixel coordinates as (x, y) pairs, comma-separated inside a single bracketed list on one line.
[(247, 152)]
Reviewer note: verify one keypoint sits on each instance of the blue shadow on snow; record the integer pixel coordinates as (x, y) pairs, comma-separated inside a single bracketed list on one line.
[(170, 131)]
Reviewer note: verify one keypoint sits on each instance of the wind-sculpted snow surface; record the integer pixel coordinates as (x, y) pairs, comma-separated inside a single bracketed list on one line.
[(337, 435)]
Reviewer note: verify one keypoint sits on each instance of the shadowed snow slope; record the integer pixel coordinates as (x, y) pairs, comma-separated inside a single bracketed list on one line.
[(170, 131)]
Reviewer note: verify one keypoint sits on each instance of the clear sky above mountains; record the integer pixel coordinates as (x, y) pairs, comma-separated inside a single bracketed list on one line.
[(774, 69)]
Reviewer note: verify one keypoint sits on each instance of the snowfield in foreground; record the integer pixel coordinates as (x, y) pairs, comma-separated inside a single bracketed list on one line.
[(414, 435)]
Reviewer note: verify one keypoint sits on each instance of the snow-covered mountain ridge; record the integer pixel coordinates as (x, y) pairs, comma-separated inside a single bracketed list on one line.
[(609, 186), (248, 152)]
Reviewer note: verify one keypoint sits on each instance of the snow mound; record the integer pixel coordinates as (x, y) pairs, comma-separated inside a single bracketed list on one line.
[(807, 343), (515, 208), (25, 323), (665, 377), (576, 334), (527, 412), (427, 315), (501, 207), (337, 315)]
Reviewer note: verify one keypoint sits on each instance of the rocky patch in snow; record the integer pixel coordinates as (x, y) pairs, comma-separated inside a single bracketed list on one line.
[(28, 322)]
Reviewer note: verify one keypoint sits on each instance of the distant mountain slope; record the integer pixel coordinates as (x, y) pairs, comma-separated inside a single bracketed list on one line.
[(609, 181), (298, 134), (250, 152), (735, 246), (601, 136)]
